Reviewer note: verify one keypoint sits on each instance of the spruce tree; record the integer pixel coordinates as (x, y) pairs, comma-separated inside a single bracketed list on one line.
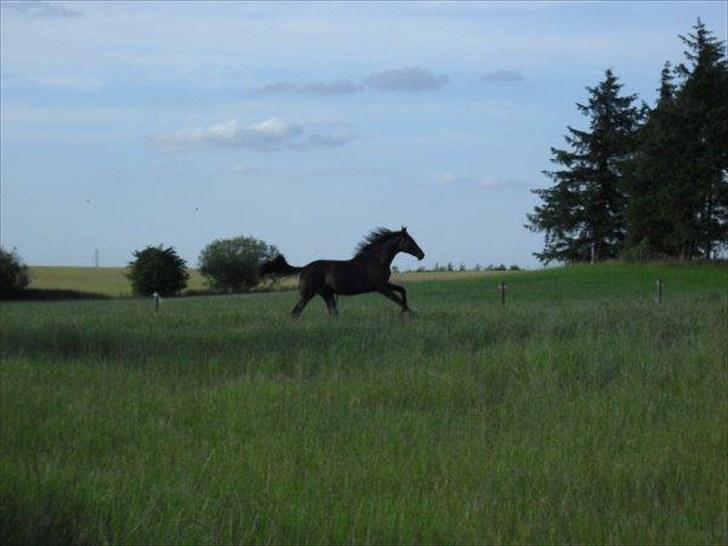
[(583, 213), (650, 174), (678, 191), (702, 118)]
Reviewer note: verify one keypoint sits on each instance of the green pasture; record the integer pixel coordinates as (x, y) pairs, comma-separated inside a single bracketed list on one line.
[(581, 411)]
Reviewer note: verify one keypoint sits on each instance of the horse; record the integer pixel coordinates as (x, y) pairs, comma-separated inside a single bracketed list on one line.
[(368, 271)]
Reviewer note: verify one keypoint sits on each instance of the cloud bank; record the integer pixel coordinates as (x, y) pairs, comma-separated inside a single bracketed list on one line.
[(398, 79), (40, 9), (502, 76), (405, 79)]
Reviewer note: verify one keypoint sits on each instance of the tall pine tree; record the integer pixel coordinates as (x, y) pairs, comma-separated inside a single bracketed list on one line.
[(583, 214), (702, 106), (678, 191), (649, 174)]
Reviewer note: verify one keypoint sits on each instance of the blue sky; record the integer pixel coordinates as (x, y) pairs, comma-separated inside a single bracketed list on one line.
[(303, 124)]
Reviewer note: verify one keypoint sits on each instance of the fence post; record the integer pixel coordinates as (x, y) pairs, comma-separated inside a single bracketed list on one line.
[(659, 290), (502, 287)]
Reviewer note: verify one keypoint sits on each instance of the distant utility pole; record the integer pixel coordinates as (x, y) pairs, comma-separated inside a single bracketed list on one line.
[(96, 257)]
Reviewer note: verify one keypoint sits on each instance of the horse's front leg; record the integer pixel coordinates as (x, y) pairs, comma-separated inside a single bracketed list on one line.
[(395, 288), (388, 292)]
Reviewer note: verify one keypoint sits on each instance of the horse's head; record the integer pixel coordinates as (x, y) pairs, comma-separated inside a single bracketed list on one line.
[(407, 244)]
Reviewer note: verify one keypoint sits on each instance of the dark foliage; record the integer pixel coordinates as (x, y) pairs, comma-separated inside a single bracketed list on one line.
[(679, 183), (582, 215), (231, 265), (157, 269), (649, 183), (14, 274)]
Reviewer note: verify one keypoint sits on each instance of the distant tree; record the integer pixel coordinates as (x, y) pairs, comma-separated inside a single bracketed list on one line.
[(395, 269), (14, 274), (500, 267), (232, 265), (583, 214), (450, 267), (157, 269), (478, 267), (462, 267), (514, 267)]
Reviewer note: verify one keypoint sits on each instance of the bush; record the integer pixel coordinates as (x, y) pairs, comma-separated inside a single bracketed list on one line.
[(157, 269), (14, 274), (231, 265)]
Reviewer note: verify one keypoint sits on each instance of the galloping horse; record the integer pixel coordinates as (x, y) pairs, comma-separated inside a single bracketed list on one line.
[(368, 271)]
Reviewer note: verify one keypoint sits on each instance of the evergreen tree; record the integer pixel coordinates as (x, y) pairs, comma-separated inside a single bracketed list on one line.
[(649, 176), (583, 214), (678, 204), (702, 109)]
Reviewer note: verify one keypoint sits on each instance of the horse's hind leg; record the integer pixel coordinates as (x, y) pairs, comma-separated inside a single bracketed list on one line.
[(330, 300), (303, 299)]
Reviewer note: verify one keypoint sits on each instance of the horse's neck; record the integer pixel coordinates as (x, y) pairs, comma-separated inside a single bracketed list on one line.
[(385, 255)]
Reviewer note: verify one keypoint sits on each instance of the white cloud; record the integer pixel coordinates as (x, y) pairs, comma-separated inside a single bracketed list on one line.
[(269, 134), (447, 178)]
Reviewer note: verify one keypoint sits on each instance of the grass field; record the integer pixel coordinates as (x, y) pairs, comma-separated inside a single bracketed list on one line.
[(580, 412), (111, 281)]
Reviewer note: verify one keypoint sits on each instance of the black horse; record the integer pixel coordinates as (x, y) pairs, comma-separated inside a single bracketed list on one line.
[(367, 271)]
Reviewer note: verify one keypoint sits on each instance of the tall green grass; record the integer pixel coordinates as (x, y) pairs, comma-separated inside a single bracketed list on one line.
[(580, 412)]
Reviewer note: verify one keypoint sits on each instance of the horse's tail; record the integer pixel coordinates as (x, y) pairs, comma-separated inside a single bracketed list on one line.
[(277, 266)]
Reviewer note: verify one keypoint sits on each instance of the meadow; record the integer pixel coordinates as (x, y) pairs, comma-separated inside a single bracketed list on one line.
[(581, 411)]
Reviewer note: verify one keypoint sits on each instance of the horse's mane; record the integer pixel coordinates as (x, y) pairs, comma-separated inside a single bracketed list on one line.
[(375, 238)]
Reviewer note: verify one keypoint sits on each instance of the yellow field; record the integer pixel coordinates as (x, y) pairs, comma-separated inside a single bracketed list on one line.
[(110, 281)]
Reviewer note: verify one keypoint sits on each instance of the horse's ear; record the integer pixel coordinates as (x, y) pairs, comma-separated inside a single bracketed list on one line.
[(404, 229)]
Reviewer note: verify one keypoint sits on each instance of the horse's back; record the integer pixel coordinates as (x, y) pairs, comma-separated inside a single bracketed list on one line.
[(346, 277)]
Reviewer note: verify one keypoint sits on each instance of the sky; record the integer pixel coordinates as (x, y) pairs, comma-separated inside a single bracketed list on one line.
[(305, 125)]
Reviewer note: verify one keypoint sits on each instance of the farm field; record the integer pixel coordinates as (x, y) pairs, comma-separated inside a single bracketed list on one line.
[(111, 282), (106, 281), (582, 411)]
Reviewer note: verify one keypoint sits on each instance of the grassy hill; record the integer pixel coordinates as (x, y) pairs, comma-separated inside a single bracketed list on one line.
[(580, 412)]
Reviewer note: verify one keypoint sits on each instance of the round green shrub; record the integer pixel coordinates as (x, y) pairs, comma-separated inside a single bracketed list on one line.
[(231, 265), (157, 269)]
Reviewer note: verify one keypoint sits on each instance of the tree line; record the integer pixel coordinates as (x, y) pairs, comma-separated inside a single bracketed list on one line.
[(644, 182)]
